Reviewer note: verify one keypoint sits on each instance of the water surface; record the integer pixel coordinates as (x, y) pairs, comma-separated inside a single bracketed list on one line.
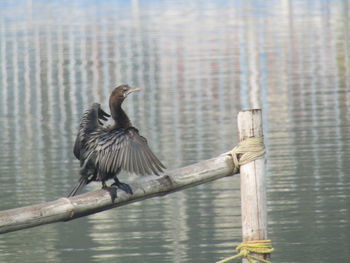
[(198, 63)]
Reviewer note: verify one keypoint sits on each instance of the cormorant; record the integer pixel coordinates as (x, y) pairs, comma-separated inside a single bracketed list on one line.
[(104, 151)]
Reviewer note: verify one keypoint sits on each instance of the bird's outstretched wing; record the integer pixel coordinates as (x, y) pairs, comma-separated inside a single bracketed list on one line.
[(126, 149), (90, 122)]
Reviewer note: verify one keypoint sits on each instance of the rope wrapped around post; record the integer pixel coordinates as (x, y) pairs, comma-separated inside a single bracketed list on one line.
[(246, 151), (255, 246)]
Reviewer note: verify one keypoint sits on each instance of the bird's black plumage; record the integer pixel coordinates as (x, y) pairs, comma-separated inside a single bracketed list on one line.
[(105, 151)]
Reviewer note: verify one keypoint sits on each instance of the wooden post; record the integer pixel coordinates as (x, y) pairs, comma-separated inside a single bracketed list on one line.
[(253, 189)]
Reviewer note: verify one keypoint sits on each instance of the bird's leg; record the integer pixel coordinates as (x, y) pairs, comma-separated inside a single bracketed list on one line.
[(111, 190), (123, 186)]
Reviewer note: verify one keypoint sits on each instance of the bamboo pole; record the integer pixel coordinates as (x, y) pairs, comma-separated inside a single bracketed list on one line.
[(65, 209), (253, 189)]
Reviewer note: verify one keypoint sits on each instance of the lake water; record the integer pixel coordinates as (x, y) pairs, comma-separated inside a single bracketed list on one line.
[(198, 63)]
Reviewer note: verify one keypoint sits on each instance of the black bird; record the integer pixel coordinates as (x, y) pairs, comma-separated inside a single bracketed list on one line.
[(104, 151)]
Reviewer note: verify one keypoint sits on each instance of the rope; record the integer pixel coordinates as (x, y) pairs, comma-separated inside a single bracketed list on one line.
[(245, 248), (247, 151)]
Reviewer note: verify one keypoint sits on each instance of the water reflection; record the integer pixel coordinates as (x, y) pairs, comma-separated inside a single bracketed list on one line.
[(198, 64)]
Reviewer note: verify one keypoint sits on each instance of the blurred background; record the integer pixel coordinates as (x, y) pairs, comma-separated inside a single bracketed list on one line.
[(198, 63)]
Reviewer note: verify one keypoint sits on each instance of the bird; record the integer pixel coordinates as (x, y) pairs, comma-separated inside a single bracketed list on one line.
[(103, 151)]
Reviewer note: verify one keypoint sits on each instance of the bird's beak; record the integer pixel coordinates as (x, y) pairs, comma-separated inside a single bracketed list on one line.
[(131, 90)]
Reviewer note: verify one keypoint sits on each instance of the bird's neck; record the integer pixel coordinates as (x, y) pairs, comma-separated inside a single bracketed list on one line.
[(121, 120)]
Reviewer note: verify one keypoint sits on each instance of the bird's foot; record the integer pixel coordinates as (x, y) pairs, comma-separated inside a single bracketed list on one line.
[(123, 186), (112, 191)]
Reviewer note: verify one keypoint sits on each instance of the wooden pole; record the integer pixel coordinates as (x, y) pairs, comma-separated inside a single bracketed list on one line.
[(253, 189), (65, 209)]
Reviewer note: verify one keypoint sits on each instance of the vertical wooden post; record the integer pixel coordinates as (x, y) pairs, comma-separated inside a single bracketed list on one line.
[(253, 189)]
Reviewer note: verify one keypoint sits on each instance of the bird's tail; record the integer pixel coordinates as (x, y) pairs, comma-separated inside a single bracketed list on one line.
[(79, 186)]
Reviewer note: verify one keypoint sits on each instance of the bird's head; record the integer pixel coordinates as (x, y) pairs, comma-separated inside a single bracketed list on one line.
[(120, 93)]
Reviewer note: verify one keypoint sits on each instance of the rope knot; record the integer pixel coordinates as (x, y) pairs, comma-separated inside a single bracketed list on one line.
[(244, 252), (246, 151), (255, 246)]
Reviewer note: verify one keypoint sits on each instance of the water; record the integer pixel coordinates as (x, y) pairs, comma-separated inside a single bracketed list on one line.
[(198, 63)]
